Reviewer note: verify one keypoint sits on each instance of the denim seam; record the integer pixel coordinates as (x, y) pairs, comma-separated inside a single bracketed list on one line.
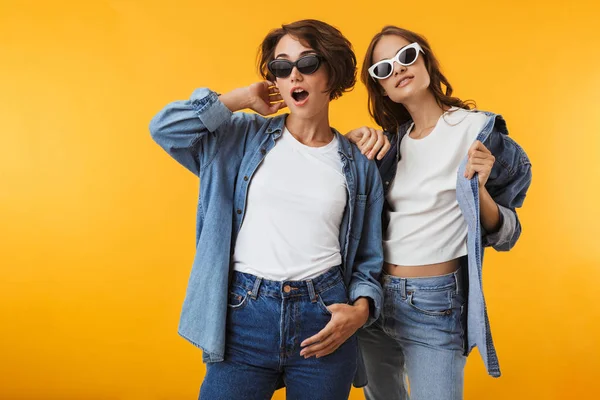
[(212, 357)]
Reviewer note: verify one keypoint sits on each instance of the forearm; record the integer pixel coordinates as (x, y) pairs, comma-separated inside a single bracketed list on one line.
[(363, 307), (237, 99), (489, 213)]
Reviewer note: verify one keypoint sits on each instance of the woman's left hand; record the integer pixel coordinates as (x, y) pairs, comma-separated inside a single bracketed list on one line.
[(480, 161), (345, 321)]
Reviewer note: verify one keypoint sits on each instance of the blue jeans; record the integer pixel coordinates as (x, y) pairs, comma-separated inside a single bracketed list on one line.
[(416, 349), (266, 322)]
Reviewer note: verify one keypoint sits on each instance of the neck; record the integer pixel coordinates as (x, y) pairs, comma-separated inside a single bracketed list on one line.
[(424, 111), (312, 131)]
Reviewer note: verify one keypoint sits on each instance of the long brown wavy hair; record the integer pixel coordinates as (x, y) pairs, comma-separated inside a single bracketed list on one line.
[(390, 115)]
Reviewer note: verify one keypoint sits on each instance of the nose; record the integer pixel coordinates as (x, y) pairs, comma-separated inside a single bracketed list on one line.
[(398, 68), (295, 76)]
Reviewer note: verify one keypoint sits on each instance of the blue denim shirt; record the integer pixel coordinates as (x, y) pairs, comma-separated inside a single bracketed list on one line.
[(224, 149), (507, 184)]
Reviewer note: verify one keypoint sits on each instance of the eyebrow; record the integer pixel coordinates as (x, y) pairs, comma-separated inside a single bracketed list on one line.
[(394, 53), (305, 52)]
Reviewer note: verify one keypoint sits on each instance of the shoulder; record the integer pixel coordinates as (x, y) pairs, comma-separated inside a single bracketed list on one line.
[(251, 119), (362, 163), (471, 122)]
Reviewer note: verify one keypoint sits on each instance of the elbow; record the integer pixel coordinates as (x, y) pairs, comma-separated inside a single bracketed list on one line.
[(511, 242), (155, 127)]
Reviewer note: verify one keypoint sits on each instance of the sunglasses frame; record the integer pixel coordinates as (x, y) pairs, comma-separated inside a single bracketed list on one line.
[(396, 58), (293, 64)]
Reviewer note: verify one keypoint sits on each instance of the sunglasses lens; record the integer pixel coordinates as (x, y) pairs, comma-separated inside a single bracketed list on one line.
[(408, 56), (383, 70), (308, 64), (280, 68)]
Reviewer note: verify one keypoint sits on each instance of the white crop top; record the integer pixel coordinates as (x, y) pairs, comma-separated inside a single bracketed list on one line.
[(426, 225)]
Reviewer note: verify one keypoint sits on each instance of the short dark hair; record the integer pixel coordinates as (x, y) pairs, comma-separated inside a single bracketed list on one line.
[(327, 41)]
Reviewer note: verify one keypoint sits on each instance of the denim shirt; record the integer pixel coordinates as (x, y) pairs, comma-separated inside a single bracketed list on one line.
[(225, 149), (507, 184)]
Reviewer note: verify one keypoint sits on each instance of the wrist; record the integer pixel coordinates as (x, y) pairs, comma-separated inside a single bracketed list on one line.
[(362, 307), (243, 97)]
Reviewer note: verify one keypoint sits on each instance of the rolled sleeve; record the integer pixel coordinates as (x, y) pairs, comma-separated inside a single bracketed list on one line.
[(373, 293), (504, 238), (211, 111)]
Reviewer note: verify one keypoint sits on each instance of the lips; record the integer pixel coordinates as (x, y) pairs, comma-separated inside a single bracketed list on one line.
[(404, 81), (299, 94)]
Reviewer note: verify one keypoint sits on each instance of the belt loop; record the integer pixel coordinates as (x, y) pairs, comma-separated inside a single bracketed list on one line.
[(458, 280), (311, 290), (254, 292), (403, 288)]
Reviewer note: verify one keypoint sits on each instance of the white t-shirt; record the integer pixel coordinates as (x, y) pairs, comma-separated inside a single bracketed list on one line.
[(426, 225), (294, 210)]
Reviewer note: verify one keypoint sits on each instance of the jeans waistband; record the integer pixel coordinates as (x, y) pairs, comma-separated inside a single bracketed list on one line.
[(310, 287), (433, 283)]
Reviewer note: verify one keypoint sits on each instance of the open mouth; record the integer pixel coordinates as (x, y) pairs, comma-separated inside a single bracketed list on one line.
[(299, 95)]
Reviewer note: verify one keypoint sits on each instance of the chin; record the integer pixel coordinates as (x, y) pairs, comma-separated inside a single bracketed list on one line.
[(307, 111), (401, 96)]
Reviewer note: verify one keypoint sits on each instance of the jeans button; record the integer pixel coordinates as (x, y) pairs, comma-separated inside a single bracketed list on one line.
[(287, 288)]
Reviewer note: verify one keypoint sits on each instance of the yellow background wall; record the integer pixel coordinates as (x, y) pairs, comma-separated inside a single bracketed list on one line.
[(97, 222)]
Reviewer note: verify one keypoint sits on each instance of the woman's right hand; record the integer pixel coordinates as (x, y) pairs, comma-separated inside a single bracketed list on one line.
[(264, 98), (370, 142)]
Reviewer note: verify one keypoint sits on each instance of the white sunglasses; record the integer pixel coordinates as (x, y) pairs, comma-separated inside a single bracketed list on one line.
[(406, 56)]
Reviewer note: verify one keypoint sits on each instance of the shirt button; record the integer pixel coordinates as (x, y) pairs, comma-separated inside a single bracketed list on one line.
[(287, 288), (263, 151), (387, 182), (246, 178), (239, 211)]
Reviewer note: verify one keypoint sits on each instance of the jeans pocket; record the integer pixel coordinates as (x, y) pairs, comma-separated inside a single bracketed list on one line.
[(336, 294), (431, 302), (238, 298)]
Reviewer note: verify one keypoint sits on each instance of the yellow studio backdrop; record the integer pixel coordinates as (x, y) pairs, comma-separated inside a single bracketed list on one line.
[(98, 223)]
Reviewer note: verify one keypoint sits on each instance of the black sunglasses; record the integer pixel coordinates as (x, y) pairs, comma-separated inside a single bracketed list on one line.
[(306, 65)]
